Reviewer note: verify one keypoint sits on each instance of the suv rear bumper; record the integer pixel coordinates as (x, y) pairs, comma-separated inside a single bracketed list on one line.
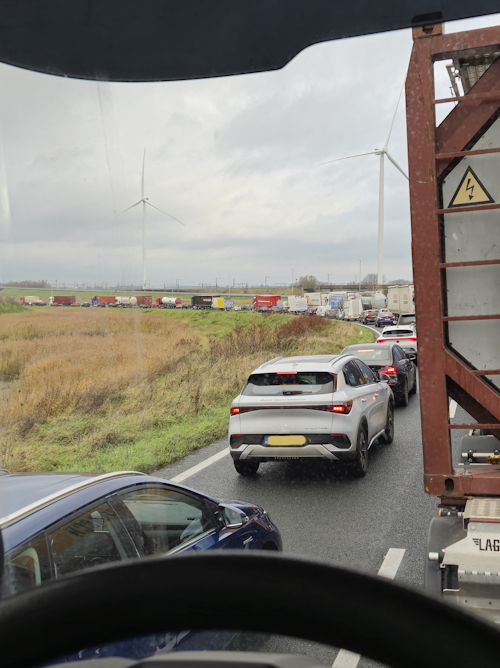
[(264, 453)]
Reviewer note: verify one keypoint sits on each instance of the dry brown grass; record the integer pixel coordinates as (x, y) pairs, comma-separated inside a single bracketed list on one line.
[(98, 389), (75, 361)]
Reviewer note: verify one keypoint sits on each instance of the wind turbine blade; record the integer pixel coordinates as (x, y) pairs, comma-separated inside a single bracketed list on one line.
[(119, 214), (393, 118), (358, 155), (167, 214), (396, 164), (142, 183)]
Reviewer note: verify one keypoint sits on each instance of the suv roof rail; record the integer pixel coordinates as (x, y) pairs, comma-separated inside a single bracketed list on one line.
[(275, 359)]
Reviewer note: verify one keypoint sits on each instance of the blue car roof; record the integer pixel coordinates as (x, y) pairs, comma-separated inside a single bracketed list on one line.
[(18, 490)]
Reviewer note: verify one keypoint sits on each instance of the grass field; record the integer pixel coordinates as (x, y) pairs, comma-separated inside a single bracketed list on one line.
[(105, 389)]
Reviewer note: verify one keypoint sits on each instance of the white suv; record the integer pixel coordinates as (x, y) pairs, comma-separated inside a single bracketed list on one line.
[(328, 406)]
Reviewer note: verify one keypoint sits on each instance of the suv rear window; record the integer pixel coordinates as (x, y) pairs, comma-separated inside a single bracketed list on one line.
[(289, 384), (399, 333), (406, 319)]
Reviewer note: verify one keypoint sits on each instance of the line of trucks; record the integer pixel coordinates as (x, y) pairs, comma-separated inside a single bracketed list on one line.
[(400, 299)]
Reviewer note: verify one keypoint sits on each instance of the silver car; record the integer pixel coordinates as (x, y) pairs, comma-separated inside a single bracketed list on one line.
[(331, 407)]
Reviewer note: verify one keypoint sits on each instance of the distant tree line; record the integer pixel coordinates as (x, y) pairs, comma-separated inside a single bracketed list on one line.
[(28, 284)]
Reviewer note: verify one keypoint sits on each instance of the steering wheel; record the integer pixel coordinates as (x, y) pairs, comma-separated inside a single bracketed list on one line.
[(263, 592)]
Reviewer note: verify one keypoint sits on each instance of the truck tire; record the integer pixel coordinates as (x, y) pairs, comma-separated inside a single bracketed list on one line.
[(388, 435), (246, 468), (443, 531), (360, 464)]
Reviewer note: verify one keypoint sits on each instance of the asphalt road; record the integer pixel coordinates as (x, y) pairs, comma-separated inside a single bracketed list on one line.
[(327, 514)]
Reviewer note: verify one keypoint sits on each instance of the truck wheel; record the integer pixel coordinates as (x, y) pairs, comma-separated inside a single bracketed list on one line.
[(388, 435), (360, 464), (246, 468), (443, 531)]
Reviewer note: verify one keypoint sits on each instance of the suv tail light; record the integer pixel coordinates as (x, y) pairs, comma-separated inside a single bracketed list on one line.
[(345, 408), (390, 371), (235, 410)]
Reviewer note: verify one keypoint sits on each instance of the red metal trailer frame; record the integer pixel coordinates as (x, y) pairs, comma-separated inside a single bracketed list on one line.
[(433, 152)]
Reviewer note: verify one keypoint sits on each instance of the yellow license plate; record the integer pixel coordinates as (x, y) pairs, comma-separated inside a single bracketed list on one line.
[(285, 440)]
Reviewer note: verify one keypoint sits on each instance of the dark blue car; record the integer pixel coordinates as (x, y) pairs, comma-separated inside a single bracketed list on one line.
[(56, 524), (386, 318)]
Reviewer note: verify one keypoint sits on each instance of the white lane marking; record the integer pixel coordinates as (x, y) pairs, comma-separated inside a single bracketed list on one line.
[(453, 408), (389, 568), (346, 659), (391, 563), (199, 467)]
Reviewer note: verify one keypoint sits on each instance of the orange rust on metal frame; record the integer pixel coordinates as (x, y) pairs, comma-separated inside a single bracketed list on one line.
[(438, 363)]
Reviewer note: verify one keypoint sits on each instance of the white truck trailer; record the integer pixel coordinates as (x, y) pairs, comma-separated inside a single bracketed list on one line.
[(400, 299), (297, 304), (352, 309)]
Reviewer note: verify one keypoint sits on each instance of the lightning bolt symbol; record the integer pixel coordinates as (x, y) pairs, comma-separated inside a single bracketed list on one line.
[(471, 188)]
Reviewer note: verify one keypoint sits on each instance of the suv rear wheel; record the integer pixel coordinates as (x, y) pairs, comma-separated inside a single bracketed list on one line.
[(360, 464), (246, 468)]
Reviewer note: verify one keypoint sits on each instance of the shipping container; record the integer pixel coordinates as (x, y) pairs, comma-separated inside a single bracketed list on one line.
[(62, 300), (32, 300), (143, 300)]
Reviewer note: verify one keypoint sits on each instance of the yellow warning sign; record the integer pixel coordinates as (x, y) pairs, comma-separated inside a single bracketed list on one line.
[(470, 192)]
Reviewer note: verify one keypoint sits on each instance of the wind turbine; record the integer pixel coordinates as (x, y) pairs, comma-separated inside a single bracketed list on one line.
[(382, 152), (144, 201)]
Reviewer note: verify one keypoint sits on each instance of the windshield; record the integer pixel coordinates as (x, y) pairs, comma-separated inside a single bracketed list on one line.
[(287, 384), (163, 240), (372, 354)]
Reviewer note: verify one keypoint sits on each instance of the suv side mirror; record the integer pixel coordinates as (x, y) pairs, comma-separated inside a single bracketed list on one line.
[(383, 378), (411, 356)]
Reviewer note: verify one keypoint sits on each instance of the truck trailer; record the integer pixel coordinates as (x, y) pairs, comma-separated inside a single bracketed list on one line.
[(202, 301), (62, 300), (454, 202), (400, 299), (297, 304), (265, 300), (168, 302), (32, 300), (105, 300)]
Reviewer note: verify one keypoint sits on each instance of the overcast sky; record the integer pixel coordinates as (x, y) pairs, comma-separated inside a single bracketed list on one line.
[(234, 158)]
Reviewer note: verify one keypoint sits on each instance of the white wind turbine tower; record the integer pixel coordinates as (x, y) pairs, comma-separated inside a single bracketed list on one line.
[(382, 152), (144, 201)]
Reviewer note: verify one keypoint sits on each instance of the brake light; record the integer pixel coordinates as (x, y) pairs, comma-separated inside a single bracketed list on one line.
[(286, 373), (342, 408), (365, 350), (234, 410), (381, 340), (389, 370)]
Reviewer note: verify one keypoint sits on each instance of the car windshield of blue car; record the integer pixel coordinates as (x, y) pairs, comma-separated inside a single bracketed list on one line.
[(298, 382)]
